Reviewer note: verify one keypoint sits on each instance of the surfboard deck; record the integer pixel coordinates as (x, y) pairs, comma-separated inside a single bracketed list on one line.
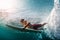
[(24, 30)]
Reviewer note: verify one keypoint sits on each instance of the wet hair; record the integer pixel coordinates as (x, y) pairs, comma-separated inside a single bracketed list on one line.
[(21, 20)]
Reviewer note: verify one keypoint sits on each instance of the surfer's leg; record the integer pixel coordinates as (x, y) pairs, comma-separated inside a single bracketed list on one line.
[(36, 26)]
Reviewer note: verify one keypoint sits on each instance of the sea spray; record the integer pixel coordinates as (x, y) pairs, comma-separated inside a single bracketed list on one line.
[(54, 20)]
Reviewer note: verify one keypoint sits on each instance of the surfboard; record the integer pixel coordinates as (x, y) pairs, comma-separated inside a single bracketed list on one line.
[(24, 30)]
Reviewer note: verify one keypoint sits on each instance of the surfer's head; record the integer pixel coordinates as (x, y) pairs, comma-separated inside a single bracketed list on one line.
[(21, 20)]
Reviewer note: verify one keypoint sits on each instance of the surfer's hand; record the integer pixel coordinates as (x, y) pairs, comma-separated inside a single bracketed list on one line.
[(23, 28)]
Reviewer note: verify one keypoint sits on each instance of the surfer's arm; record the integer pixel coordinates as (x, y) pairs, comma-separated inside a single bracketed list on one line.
[(26, 25)]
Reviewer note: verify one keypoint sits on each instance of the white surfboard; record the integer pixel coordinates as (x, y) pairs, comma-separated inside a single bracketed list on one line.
[(24, 30)]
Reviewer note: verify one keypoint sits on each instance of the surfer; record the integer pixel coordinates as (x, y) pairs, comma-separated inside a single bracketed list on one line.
[(32, 26)]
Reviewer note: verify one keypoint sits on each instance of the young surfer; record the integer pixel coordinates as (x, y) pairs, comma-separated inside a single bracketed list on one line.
[(32, 26)]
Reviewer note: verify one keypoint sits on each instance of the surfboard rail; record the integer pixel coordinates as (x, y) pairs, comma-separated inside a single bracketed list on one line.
[(24, 30)]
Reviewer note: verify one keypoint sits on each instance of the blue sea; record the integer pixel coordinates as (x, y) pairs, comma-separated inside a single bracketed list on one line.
[(29, 8), (12, 34)]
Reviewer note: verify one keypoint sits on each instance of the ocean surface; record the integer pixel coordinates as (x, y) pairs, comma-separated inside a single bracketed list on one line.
[(29, 8), (7, 33)]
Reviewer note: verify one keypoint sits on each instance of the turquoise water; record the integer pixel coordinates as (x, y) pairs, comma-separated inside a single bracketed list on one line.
[(11, 34)]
